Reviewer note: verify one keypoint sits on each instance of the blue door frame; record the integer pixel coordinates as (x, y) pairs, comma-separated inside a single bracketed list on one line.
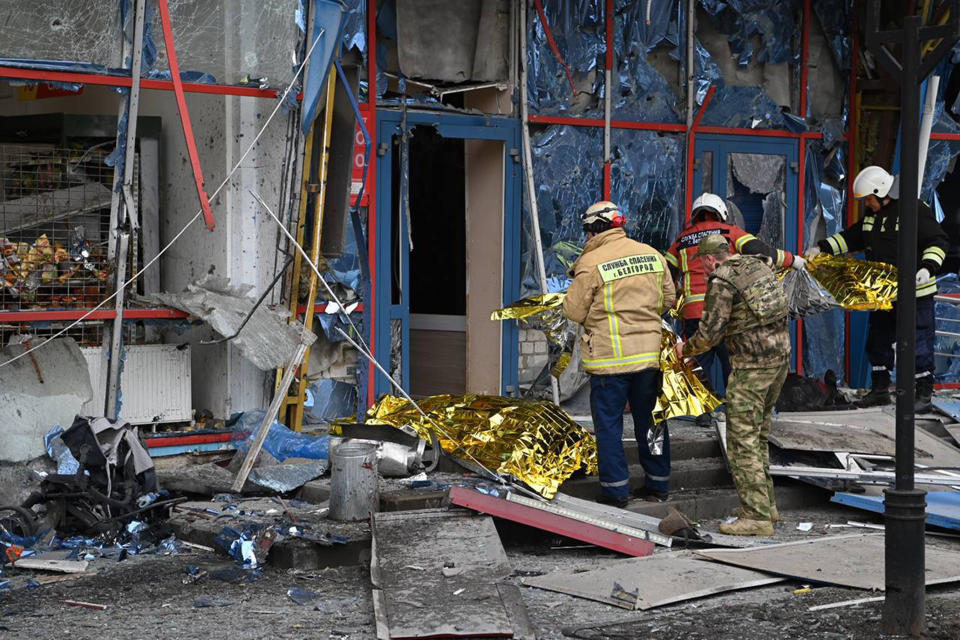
[(447, 125), (723, 145)]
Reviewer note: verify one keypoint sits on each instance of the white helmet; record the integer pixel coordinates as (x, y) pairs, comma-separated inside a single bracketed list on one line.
[(873, 181), (603, 211), (710, 202)]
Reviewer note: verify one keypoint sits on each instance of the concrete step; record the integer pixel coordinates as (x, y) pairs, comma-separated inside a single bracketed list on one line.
[(716, 503), (693, 473), (682, 449)]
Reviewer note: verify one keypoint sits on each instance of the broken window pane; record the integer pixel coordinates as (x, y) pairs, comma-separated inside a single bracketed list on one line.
[(231, 41), (77, 31)]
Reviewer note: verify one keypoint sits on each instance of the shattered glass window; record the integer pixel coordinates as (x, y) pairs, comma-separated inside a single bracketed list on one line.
[(646, 183), (232, 41), (75, 31), (756, 183)]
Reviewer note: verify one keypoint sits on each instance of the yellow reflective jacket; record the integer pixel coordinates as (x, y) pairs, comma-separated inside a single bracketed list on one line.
[(620, 289)]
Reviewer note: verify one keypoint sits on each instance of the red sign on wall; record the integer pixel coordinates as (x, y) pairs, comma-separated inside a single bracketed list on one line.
[(359, 147)]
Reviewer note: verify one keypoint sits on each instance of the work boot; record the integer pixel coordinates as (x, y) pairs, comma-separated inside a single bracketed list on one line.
[(740, 512), (747, 527), (620, 503), (704, 420), (879, 391), (924, 401), (651, 496)]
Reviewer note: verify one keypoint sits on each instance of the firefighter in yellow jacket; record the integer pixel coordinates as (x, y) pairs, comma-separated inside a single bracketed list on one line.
[(619, 291)]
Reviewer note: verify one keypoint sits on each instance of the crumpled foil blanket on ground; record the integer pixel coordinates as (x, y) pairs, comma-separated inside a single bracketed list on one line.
[(857, 285), (534, 441)]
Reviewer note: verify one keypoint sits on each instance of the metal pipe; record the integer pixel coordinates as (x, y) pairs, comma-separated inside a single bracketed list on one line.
[(926, 125), (608, 96), (528, 171), (904, 504), (691, 48), (124, 219)]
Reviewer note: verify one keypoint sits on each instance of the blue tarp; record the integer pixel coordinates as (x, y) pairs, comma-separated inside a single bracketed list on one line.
[(327, 28)]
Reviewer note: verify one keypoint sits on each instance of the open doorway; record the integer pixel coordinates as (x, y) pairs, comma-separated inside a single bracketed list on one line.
[(438, 267)]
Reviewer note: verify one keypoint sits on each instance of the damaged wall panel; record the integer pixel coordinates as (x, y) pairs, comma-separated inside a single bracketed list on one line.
[(453, 41)]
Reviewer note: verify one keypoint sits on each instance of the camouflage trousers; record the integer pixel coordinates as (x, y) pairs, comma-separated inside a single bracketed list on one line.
[(751, 394)]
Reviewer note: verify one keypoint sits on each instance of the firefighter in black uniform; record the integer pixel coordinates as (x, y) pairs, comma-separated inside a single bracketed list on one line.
[(876, 235)]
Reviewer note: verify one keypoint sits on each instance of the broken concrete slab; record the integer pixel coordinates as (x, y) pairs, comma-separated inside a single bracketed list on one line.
[(855, 561), (60, 566), (268, 340), (437, 573), (44, 389), (654, 581)]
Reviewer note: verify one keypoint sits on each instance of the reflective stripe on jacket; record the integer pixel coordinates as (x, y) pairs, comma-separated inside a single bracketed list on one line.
[(682, 256), (619, 291)]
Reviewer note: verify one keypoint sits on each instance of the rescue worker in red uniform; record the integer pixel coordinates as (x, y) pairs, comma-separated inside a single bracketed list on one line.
[(709, 217)]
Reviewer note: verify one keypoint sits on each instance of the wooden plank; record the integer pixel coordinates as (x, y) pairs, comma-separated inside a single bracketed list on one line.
[(655, 581), (62, 566), (851, 561), (435, 574), (268, 418)]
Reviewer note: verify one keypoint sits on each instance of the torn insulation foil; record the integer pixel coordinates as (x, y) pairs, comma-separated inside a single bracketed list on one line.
[(805, 296), (681, 392), (268, 340), (856, 285), (533, 441)]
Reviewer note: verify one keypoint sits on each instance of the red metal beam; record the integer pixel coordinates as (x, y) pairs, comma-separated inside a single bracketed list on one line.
[(553, 45), (691, 147), (598, 122), (180, 440), (41, 75), (372, 196), (184, 113), (69, 315), (546, 521)]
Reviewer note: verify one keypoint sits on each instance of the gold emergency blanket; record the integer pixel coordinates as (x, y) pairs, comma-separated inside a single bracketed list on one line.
[(857, 285), (682, 393), (544, 313), (532, 440)]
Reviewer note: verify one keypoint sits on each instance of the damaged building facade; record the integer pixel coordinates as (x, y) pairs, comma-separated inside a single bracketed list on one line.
[(420, 220)]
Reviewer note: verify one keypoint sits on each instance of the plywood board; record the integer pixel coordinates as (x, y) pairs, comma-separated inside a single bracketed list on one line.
[(654, 581), (855, 561), (851, 431), (414, 598)]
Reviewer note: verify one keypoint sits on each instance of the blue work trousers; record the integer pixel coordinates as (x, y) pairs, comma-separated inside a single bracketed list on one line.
[(883, 334), (608, 398)]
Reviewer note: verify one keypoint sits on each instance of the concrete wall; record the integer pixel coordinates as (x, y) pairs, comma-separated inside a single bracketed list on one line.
[(242, 246)]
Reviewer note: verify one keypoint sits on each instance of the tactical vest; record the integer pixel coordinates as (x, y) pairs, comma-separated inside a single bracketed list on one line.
[(762, 299)]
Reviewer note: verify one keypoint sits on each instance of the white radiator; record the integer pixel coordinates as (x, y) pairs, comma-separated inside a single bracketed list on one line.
[(154, 384)]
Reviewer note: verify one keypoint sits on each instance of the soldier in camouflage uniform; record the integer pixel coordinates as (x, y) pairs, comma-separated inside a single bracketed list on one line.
[(747, 308)]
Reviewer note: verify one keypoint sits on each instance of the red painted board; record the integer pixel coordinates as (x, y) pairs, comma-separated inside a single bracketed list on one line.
[(552, 522)]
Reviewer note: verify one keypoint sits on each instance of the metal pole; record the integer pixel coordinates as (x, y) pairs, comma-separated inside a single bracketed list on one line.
[(607, 99), (691, 76), (926, 125), (528, 171), (903, 610), (125, 219)]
